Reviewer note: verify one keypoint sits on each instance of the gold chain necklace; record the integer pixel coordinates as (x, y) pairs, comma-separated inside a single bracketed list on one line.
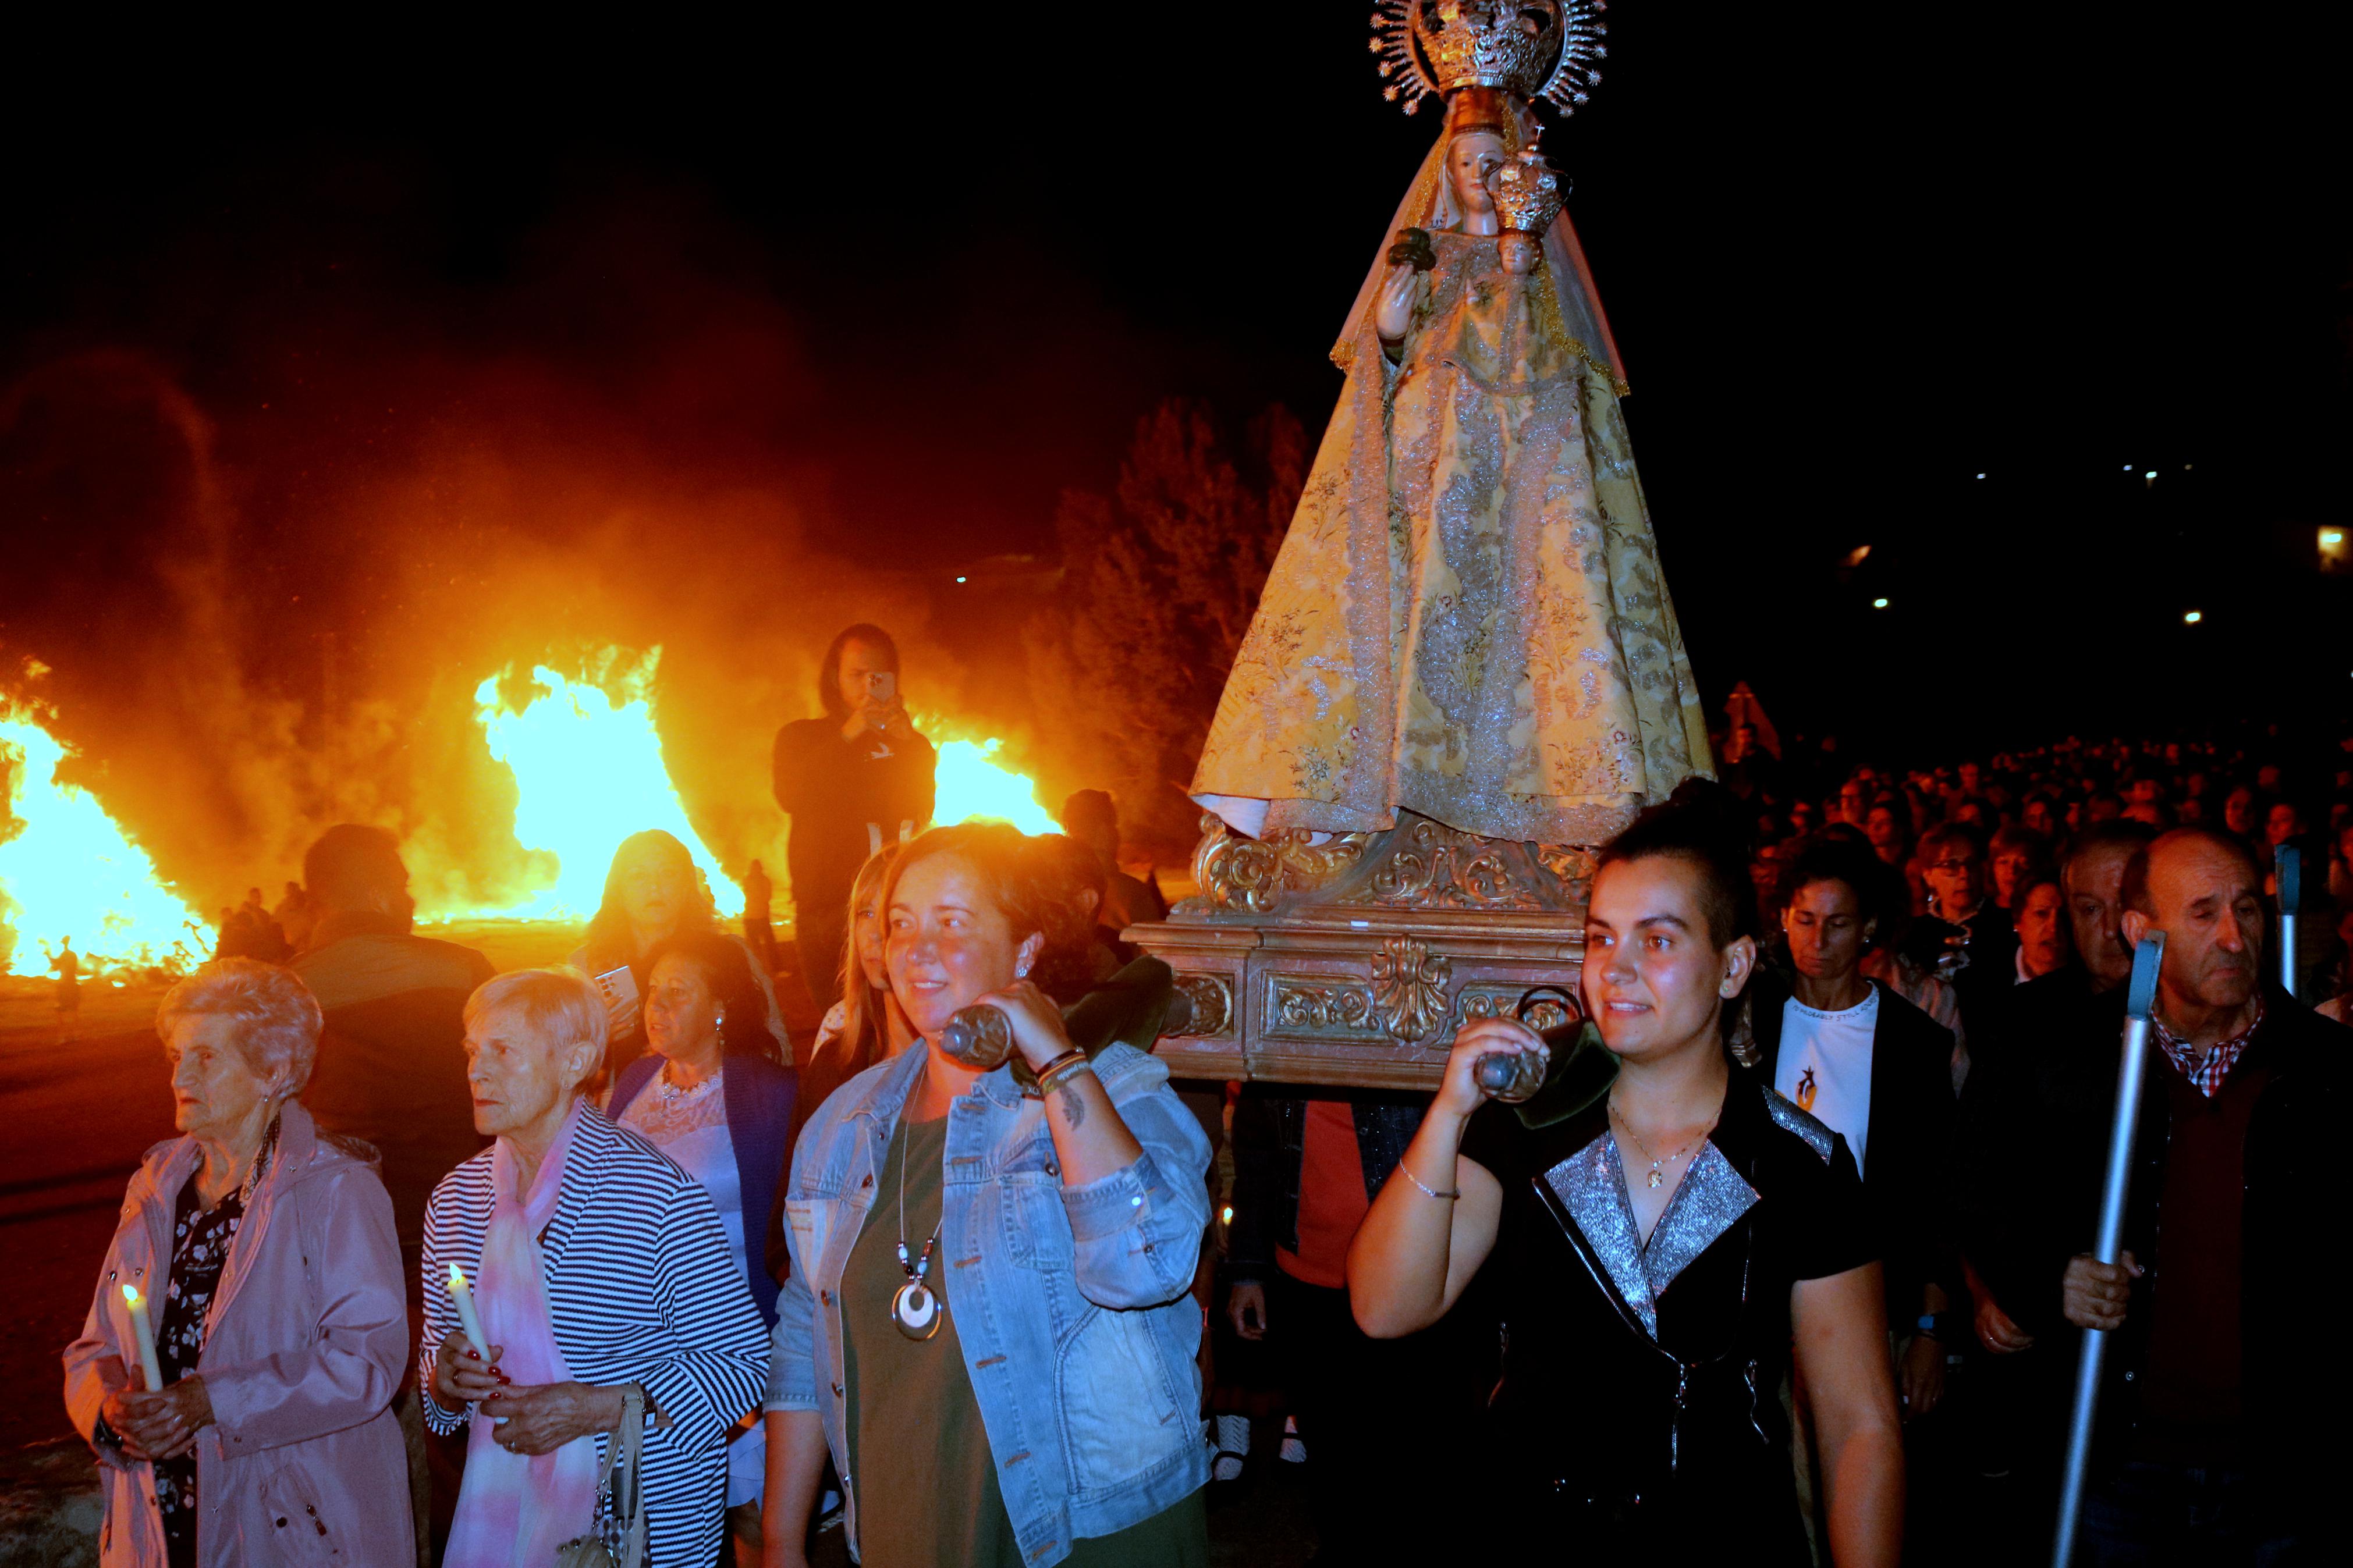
[(1658, 1173)]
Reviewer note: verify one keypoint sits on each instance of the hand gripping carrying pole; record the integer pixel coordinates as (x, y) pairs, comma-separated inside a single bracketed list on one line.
[(2140, 998), (2290, 866)]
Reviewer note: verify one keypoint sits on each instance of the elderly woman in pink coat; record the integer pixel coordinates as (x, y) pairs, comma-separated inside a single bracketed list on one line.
[(268, 1274)]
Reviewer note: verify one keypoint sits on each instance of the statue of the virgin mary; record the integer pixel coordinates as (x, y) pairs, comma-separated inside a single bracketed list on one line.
[(1467, 618)]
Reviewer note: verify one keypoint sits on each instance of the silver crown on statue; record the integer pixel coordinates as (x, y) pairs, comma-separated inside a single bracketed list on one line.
[(1530, 48)]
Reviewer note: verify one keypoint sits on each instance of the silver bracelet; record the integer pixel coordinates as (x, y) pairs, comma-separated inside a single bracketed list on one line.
[(1407, 1173)]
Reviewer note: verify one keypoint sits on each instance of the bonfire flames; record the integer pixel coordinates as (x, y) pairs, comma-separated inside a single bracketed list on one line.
[(67, 872), (586, 756)]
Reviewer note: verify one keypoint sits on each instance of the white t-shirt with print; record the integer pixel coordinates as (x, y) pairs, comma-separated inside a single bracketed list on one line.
[(1825, 1066)]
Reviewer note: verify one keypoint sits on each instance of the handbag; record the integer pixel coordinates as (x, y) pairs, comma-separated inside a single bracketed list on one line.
[(617, 1535)]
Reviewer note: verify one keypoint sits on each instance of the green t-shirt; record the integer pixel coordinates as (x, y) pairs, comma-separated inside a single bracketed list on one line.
[(919, 1459)]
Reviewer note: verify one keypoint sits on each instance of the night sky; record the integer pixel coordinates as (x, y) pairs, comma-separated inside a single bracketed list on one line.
[(903, 277)]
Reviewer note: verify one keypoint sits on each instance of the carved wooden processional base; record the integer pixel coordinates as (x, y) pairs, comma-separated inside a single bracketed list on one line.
[(1353, 958)]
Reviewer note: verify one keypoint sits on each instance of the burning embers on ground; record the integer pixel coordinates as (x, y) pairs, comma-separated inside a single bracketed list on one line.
[(585, 752)]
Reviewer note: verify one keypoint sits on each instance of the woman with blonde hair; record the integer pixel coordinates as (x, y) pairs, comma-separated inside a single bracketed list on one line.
[(653, 891), (262, 1257), (867, 1026)]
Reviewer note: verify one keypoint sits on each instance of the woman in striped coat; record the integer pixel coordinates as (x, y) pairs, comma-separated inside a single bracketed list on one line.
[(594, 1264)]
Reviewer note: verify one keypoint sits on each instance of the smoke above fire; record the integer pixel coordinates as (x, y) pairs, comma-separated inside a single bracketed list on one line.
[(331, 544)]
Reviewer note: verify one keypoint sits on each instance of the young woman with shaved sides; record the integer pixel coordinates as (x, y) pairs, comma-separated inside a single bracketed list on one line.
[(1657, 1242)]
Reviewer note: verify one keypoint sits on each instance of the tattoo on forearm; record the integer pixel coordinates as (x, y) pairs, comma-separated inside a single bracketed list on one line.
[(1074, 1109)]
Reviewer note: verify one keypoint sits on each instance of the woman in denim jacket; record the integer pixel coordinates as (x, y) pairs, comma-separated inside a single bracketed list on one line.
[(989, 1321)]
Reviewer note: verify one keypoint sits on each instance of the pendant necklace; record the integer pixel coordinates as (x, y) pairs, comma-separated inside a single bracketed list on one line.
[(1657, 1174), (914, 1310)]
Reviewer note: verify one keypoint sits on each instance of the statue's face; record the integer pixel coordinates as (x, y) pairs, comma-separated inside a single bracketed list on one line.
[(1472, 163)]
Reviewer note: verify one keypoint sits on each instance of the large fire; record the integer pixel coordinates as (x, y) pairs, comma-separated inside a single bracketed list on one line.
[(67, 872), (589, 770), (968, 784)]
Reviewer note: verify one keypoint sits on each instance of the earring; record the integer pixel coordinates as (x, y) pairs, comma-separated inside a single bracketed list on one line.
[(1021, 970), (721, 1021)]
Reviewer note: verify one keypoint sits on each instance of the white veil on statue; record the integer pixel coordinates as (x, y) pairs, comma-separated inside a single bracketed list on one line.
[(1429, 205)]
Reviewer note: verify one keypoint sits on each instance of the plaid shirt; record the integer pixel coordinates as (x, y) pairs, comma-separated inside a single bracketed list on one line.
[(2210, 1073)]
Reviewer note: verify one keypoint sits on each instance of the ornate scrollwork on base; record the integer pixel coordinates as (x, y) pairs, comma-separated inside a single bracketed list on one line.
[(1410, 986), (1342, 1009), (1235, 871), (1423, 864), (1503, 1002), (1210, 1003), (1571, 864)]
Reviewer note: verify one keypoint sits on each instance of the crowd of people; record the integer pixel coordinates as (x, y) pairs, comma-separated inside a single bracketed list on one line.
[(1788, 1257)]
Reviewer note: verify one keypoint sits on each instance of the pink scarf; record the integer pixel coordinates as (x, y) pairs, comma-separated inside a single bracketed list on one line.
[(515, 1509)]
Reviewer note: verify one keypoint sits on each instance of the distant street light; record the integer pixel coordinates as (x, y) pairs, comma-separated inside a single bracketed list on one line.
[(2192, 617), (1879, 603)]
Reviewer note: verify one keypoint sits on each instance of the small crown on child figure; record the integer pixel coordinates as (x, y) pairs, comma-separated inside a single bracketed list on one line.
[(1527, 194)]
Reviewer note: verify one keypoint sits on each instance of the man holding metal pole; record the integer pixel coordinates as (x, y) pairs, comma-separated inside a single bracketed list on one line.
[(2213, 1437)]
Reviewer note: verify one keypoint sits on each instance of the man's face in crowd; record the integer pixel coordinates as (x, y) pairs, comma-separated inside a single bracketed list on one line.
[(1957, 880), (1882, 829), (2042, 929), (2037, 815), (2210, 905), (1971, 775), (2094, 885), (1851, 803), (2282, 825)]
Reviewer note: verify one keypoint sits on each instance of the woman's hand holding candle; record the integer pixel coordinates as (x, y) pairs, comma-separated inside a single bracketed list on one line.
[(161, 1424), (460, 1374)]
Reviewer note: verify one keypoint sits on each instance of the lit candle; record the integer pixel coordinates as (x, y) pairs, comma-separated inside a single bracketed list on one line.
[(468, 1319), (145, 1332)]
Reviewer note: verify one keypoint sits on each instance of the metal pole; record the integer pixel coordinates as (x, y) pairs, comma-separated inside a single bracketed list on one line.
[(2290, 865), (2140, 998)]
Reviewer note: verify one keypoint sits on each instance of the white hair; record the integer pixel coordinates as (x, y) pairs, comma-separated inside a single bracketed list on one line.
[(557, 1006), (276, 1020)]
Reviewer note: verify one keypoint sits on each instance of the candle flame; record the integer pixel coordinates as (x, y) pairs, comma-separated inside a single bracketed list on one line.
[(457, 1277), (131, 1294)]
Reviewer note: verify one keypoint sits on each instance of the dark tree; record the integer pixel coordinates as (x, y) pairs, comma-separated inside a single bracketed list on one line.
[(1159, 582)]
